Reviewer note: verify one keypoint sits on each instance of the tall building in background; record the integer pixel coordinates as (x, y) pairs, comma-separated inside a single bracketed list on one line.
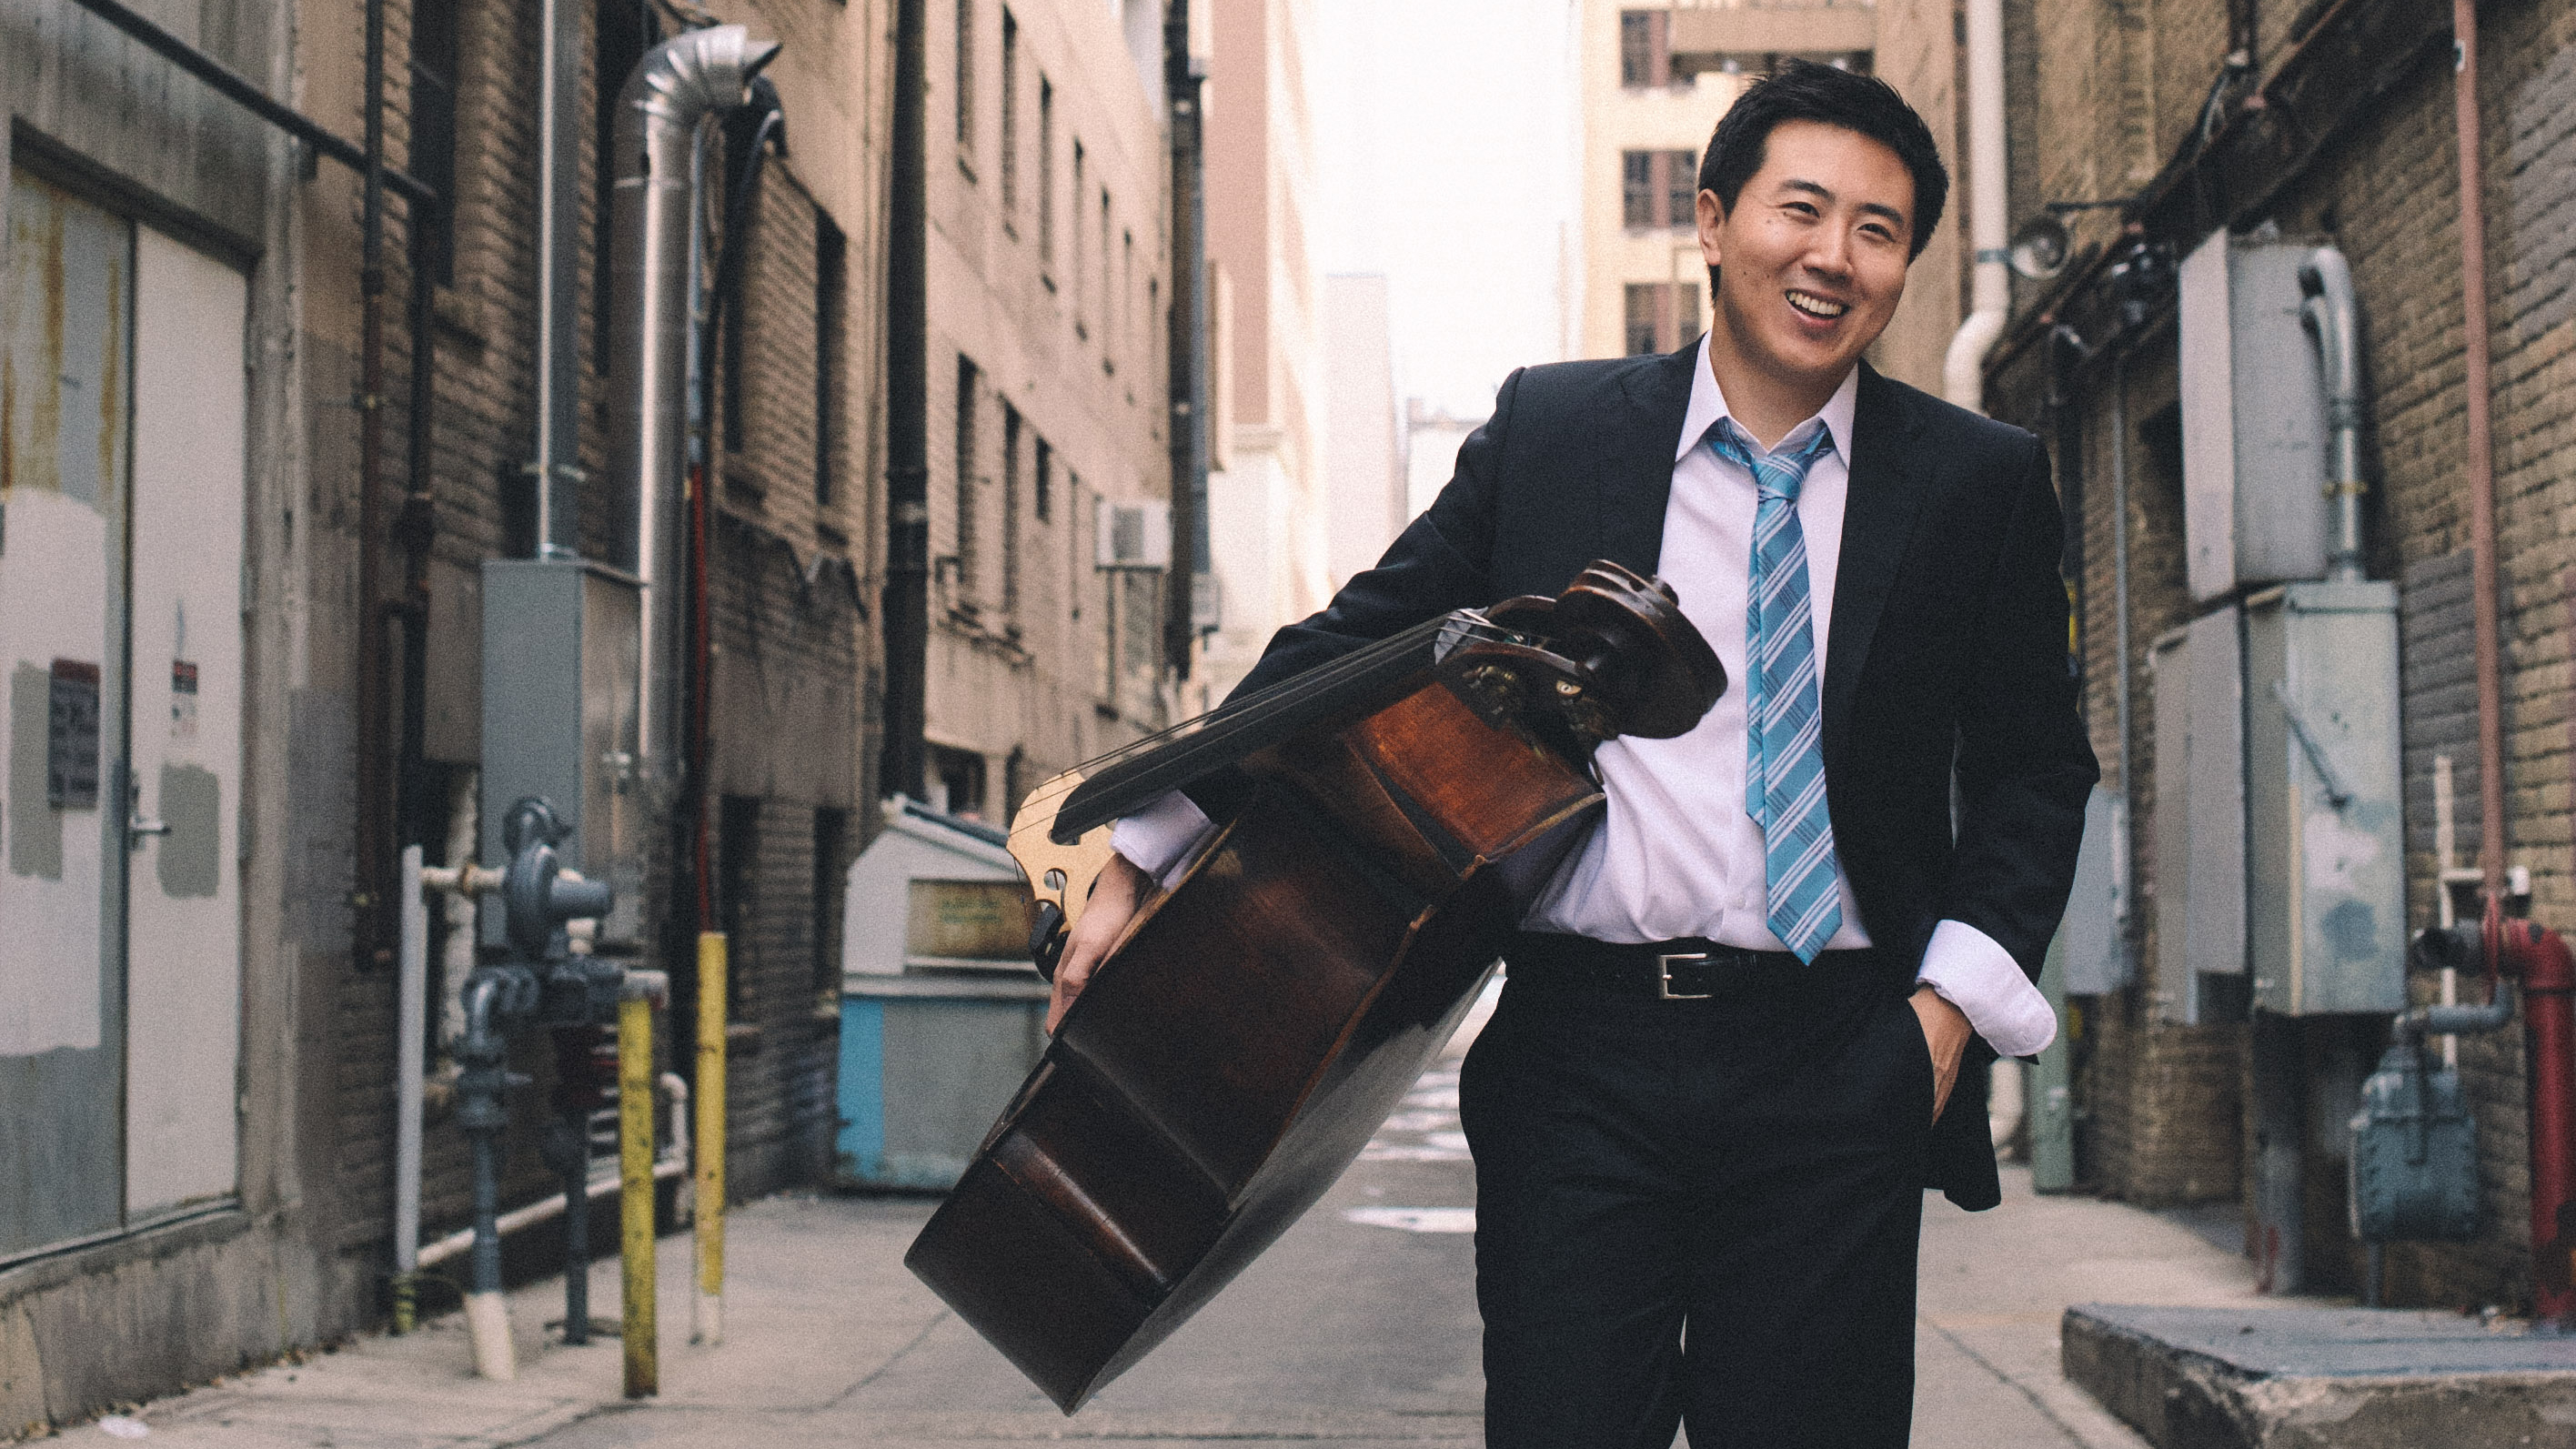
[(1654, 82), (1049, 481), (1266, 513), (1364, 488)]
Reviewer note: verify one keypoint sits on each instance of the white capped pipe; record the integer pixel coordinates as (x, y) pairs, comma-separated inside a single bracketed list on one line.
[(411, 1028), (1963, 372)]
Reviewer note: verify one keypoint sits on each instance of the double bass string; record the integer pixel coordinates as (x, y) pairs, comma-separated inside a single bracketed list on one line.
[(1128, 777)]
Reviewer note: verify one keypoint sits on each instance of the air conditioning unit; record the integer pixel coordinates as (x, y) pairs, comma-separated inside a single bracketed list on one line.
[(1135, 535)]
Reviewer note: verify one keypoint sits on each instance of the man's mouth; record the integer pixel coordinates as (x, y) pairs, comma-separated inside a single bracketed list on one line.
[(1815, 306)]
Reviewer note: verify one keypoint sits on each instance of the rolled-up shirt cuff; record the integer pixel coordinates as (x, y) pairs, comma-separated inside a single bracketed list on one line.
[(1160, 839), (1969, 971)]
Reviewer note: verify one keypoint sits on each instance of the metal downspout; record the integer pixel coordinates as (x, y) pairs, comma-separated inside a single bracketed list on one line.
[(2480, 455), (557, 468), (1188, 416), (2333, 319), (1963, 371), (678, 84), (907, 385), (372, 826)]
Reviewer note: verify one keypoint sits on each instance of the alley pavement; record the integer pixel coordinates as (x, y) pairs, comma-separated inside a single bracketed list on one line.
[(1357, 1329)]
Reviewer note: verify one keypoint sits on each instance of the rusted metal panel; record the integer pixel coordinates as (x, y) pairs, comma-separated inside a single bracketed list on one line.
[(66, 317)]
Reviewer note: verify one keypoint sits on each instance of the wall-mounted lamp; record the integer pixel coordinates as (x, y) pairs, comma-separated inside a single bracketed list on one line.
[(2040, 249)]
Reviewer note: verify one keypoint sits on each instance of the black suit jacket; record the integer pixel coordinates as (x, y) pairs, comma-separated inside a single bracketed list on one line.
[(1946, 657)]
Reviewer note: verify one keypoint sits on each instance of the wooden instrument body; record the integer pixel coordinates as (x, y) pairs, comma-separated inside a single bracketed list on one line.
[(1244, 1045), (1259, 1021)]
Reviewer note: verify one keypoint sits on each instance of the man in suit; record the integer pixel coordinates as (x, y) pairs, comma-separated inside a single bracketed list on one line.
[(1705, 1111)]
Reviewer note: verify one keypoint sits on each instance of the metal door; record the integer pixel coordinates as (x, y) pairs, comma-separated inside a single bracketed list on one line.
[(122, 432), (66, 395)]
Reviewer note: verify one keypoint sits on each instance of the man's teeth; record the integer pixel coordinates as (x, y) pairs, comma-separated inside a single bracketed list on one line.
[(1815, 306)]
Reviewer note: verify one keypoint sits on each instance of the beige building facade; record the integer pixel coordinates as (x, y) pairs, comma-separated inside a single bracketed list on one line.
[(1267, 513), (1654, 82), (1049, 475)]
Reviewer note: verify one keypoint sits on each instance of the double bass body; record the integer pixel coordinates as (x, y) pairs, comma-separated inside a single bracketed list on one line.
[(1262, 1018)]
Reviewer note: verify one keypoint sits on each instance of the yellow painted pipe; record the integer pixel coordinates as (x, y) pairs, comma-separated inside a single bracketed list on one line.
[(635, 1171), (710, 1154)]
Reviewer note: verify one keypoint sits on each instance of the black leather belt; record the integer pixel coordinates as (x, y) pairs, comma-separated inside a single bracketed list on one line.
[(1684, 970)]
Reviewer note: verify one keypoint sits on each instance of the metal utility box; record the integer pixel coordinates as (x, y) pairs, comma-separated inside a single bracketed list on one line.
[(2327, 873), (942, 1016), (2414, 1168), (2094, 958), (2253, 418), (562, 695), (2200, 810)]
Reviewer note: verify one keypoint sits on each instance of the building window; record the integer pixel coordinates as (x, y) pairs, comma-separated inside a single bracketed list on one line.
[(1108, 290), (738, 896), (1681, 188), (965, 81), (1658, 188), (831, 350), (1661, 315), (1046, 174), (433, 136), (1645, 48), (1010, 508), (968, 379), (956, 782), (1081, 328), (1126, 289), (1010, 117), (831, 876), (1045, 480)]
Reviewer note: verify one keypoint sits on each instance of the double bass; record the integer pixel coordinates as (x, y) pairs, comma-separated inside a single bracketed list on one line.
[(1258, 1021)]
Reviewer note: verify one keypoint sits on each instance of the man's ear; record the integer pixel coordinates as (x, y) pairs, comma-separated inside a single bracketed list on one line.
[(1711, 216)]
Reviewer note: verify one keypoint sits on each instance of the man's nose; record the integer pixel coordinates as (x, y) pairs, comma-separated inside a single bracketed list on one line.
[(1829, 254)]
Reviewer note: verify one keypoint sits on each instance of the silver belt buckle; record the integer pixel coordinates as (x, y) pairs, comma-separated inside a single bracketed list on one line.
[(1664, 977)]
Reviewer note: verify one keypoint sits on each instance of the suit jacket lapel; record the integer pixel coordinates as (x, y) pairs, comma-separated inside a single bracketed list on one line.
[(1636, 447), (1878, 518)]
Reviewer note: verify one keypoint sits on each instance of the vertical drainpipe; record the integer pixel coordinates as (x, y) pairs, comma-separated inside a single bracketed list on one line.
[(1187, 422), (557, 469), (1963, 371), (907, 589), (678, 84), (369, 882), (2480, 455), (2332, 318)]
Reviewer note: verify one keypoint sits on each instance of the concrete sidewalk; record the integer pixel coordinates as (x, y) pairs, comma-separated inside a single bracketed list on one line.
[(1358, 1329)]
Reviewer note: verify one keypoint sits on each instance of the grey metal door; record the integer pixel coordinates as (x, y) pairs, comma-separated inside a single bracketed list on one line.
[(66, 409)]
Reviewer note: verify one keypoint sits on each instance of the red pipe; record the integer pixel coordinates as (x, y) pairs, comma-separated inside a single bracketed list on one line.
[(2548, 971)]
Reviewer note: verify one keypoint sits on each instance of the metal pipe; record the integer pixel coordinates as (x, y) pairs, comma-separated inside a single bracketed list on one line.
[(411, 1028), (482, 1114), (667, 1165), (2121, 854), (2548, 973), (557, 469), (708, 1316), (368, 656), (1963, 371), (635, 1171), (1184, 356), (234, 87), (677, 85), (2480, 454), (907, 385), (2333, 321)]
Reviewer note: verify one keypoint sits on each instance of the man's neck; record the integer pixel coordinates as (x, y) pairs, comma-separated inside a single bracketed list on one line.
[(1764, 405)]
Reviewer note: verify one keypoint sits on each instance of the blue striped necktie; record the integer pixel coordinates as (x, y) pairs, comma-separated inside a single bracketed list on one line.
[(1784, 767)]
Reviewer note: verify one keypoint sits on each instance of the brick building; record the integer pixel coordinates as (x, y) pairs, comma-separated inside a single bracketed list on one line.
[(1049, 493), (2287, 126), (196, 1130)]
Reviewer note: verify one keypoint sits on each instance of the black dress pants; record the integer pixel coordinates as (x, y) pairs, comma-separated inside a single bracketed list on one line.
[(1700, 1212)]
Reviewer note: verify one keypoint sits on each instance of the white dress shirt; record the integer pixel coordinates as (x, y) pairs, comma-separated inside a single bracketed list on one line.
[(1675, 853)]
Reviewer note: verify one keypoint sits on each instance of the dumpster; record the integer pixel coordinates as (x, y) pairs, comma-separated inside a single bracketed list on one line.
[(942, 1015)]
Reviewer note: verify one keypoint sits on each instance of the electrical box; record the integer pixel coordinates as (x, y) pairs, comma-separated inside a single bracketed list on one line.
[(562, 696), (2092, 953), (2328, 869), (2200, 810), (1135, 535), (2254, 456)]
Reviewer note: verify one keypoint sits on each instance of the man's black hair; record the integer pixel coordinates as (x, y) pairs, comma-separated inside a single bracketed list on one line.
[(1802, 90)]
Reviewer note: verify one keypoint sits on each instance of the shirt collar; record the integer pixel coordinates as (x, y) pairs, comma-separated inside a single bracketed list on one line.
[(1708, 404)]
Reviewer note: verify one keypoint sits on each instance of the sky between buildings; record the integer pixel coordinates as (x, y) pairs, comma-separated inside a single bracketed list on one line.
[(1446, 133)]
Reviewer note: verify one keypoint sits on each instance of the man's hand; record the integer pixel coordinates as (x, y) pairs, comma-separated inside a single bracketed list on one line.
[(1114, 896), (1945, 1028)]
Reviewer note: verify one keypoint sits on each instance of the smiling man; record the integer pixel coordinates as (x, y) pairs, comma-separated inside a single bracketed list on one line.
[(1706, 1109)]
